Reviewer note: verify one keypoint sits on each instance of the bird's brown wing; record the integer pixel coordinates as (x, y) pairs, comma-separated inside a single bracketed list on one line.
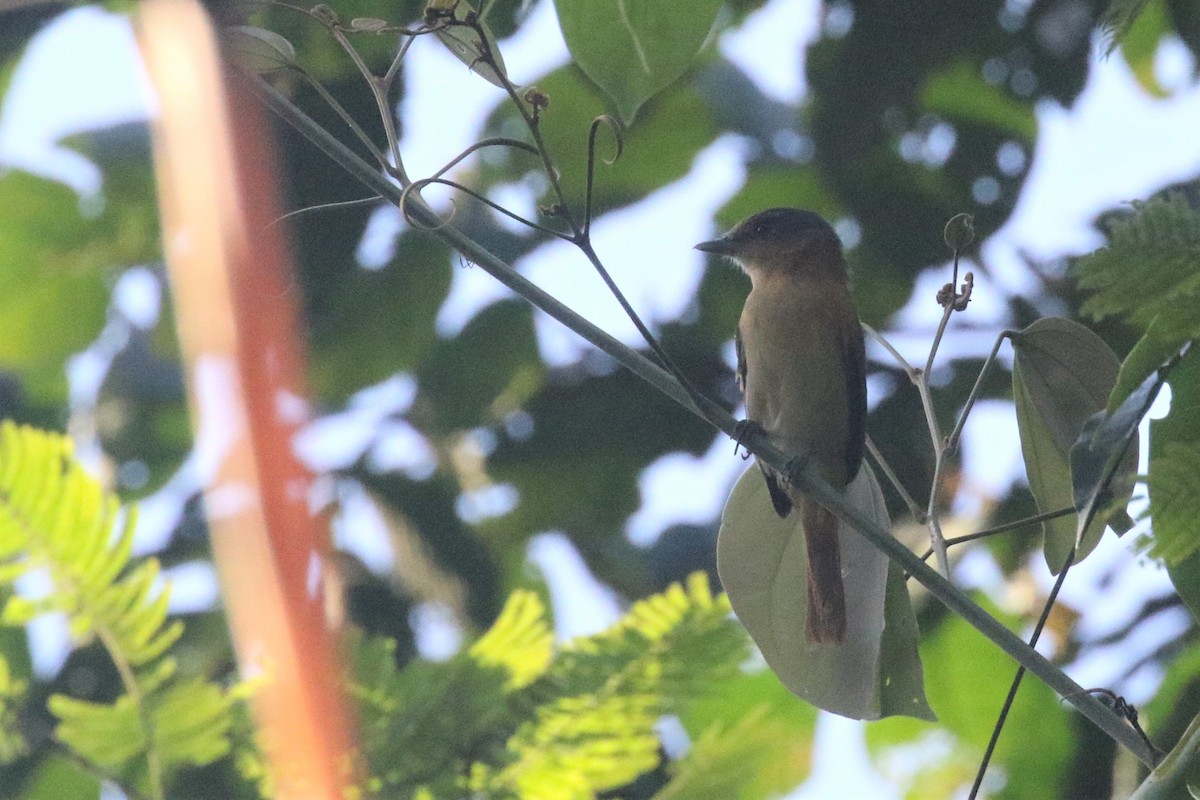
[(779, 498), (741, 359), (854, 364)]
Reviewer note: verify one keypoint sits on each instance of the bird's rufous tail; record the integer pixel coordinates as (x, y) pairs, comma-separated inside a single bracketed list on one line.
[(826, 594)]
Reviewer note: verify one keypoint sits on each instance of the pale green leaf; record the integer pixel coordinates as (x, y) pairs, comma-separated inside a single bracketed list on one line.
[(1174, 467), (469, 47), (1063, 373), (1175, 776), (763, 567), (632, 49), (1150, 270), (960, 94), (258, 49)]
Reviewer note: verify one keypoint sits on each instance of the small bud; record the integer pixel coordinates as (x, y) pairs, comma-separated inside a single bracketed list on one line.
[(439, 10), (959, 232), (536, 98), (324, 13), (368, 24)]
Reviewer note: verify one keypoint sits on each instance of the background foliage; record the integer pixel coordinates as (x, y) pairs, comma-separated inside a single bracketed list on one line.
[(570, 442)]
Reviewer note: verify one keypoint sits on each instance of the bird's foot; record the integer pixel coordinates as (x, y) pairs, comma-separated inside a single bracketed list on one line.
[(744, 429), (794, 468)]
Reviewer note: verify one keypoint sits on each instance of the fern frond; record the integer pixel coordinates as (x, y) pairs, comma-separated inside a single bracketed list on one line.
[(670, 644), (1150, 268), (12, 691), (1118, 19), (427, 723), (520, 641), (728, 762), (1174, 490), (578, 746), (56, 518), (593, 729)]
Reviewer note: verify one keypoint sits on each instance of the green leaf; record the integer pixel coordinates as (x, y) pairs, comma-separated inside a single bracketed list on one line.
[(658, 150), (1151, 351), (763, 567), (1150, 271), (258, 49), (468, 46), (520, 641), (632, 49), (1063, 373), (1185, 575), (489, 369), (1139, 43), (1176, 775), (59, 519), (1119, 19), (1174, 467), (960, 94), (1100, 470)]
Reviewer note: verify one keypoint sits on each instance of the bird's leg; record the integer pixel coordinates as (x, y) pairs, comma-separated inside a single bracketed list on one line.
[(795, 467)]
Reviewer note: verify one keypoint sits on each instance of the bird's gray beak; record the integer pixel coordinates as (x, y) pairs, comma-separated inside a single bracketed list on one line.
[(720, 247)]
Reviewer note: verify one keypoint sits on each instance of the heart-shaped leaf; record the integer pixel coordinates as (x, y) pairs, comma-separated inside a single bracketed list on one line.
[(1063, 373), (876, 671), (633, 48)]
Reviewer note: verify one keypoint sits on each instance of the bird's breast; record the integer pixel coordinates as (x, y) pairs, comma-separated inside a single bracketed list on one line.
[(796, 368)]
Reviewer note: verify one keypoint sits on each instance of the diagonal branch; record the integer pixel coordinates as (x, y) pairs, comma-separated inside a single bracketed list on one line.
[(953, 597)]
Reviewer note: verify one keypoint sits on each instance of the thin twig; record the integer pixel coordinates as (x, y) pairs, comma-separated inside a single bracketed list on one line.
[(325, 207), (913, 507), (591, 164), (953, 597), (956, 434), (886, 345), (1007, 526), (414, 189), (1016, 683)]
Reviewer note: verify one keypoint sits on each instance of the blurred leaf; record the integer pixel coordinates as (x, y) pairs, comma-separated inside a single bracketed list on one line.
[(1150, 271), (1185, 576), (1062, 375), (446, 559), (1151, 352), (1176, 775), (375, 323), (594, 428), (763, 566), (632, 49), (469, 47), (1118, 20), (55, 292), (726, 761), (486, 371), (57, 778), (959, 93), (1174, 467), (969, 678), (659, 150), (1104, 460), (258, 49), (781, 763), (1139, 41)]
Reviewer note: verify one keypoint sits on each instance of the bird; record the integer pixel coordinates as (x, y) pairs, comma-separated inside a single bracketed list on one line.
[(801, 367)]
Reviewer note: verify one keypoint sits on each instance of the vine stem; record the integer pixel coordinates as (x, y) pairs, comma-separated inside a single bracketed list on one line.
[(1016, 682), (941, 588), (154, 766)]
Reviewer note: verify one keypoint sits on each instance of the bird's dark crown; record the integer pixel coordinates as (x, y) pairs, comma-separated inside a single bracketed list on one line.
[(784, 239)]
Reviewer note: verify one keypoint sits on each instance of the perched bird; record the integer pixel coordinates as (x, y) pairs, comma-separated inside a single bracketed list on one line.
[(802, 369)]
